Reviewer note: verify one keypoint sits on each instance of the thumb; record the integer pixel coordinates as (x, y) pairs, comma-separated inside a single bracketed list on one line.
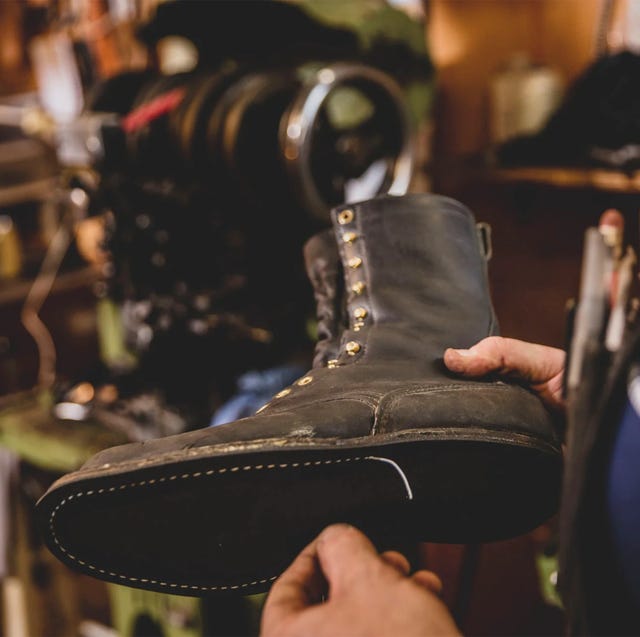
[(509, 357), (346, 556)]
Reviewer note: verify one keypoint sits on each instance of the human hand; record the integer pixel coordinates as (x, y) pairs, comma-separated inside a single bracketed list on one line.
[(367, 593), (541, 367)]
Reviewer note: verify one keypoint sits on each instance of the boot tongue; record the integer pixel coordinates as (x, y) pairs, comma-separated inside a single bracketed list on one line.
[(415, 277), (324, 269), (321, 253)]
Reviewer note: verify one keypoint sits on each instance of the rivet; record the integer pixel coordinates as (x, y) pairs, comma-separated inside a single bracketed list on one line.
[(283, 393), (333, 363), (355, 262), (349, 237), (360, 313), (346, 216), (305, 381), (353, 347), (358, 287)]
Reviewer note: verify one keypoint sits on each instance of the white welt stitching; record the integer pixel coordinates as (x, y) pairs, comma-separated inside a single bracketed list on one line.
[(183, 476), (396, 466)]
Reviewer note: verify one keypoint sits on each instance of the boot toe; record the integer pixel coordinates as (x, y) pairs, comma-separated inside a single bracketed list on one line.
[(461, 409), (484, 458)]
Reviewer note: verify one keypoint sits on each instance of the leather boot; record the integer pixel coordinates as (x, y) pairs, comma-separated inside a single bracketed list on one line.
[(382, 436)]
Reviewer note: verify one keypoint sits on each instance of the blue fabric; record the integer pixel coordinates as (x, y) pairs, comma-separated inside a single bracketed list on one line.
[(624, 493), (255, 388)]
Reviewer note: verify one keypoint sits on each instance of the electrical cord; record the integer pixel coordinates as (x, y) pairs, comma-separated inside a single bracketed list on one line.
[(36, 297)]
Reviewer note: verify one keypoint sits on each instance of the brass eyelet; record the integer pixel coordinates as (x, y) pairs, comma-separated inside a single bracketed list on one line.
[(358, 287), (305, 381), (333, 363), (283, 393), (360, 313), (345, 217), (349, 237), (354, 262), (353, 347), (262, 408)]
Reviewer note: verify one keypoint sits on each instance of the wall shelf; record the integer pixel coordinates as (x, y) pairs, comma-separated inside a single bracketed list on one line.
[(16, 290), (567, 177)]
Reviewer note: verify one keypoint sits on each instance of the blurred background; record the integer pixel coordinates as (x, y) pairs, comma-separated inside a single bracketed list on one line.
[(162, 165)]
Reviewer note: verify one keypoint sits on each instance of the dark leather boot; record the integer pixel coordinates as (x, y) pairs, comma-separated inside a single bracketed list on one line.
[(381, 437)]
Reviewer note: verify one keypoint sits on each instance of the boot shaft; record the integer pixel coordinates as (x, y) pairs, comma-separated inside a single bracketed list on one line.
[(416, 280)]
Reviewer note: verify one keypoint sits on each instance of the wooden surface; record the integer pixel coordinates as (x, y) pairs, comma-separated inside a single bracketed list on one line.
[(15, 76), (597, 179), (30, 191), (16, 290), (470, 40)]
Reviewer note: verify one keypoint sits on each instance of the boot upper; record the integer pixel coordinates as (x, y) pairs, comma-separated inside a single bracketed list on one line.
[(415, 282)]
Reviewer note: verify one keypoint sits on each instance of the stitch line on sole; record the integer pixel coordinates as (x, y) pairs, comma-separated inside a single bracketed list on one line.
[(183, 476)]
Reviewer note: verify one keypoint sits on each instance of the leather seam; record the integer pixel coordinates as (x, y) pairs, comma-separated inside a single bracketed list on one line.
[(390, 400), (442, 388), (368, 400), (520, 439)]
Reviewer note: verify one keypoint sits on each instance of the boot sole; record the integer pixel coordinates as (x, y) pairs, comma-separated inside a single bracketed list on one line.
[(204, 524)]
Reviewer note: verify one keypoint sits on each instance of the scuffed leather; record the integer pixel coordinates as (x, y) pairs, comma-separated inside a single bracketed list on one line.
[(426, 289), (385, 438)]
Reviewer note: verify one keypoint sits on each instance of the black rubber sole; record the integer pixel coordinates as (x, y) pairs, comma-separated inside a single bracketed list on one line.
[(232, 523)]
